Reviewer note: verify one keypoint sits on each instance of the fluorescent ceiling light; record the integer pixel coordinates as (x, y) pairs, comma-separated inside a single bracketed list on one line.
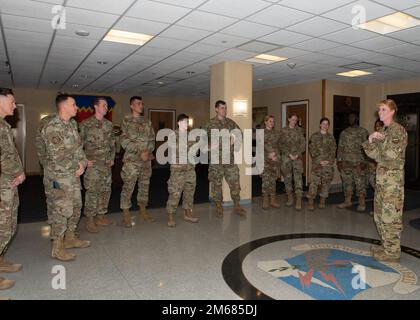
[(266, 59), (391, 23), (138, 39), (354, 73)]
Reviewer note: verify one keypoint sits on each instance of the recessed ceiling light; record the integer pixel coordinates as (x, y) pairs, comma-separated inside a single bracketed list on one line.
[(102, 62), (259, 79), (82, 33), (75, 86), (161, 82), (266, 59), (127, 37), (391, 23), (354, 73)]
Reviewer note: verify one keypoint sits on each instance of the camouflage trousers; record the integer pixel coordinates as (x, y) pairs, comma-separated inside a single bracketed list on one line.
[(353, 173), (371, 178), (292, 172), (8, 216), (321, 178), (231, 174), (388, 209), (182, 181), (131, 173), (97, 182), (269, 178), (65, 201)]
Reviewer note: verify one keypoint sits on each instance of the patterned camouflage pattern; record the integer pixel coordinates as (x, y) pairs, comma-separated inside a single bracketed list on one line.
[(271, 168), (98, 140), (42, 156), (292, 142), (322, 147), (11, 167), (64, 152), (351, 160), (137, 136), (389, 195), (371, 173), (182, 181), (219, 171)]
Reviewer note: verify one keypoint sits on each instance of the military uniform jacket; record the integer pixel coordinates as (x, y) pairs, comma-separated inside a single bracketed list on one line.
[(39, 143), (137, 135), (63, 147), (98, 139), (390, 152), (322, 148), (292, 141), (350, 145), (228, 124), (271, 143), (11, 165), (175, 149)]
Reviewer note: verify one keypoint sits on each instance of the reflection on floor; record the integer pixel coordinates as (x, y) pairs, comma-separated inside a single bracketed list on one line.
[(151, 261)]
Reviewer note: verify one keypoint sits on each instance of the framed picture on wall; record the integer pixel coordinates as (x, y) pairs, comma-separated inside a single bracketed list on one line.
[(343, 106), (301, 109), (258, 115), (162, 119)]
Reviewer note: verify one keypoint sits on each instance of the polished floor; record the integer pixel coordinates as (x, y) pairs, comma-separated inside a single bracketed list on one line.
[(152, 261)]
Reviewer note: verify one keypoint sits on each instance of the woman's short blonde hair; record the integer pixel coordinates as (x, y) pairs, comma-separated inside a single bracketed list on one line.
[(266, 118), (389, 103)]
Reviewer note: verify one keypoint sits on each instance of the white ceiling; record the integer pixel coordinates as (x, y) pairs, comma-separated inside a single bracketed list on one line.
[(190, 36)]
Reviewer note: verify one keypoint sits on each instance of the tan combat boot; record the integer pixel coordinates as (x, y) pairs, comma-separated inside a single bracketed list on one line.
[(322, 203), (298, 205), (6, 284), (362, 203), (265, 203), (311, 206), (126, 221), (289, 202), (72, 241), (238, 209), (144, 215), (91, 226), (273, 202), (346, 203), (58, 251), (101, 220), (171, 221), (8, 266), (219, 209), (188, 216)]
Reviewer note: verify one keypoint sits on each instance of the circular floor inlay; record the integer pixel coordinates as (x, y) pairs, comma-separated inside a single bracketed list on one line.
[(319, 266)]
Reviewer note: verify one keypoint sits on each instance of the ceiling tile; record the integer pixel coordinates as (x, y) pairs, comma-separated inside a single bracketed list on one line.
[(316, 45), (402, 50), (167, 43), (71, 28), (349, 35), (204, 48), (108, 6), (224, 40), (183, 33), (27, 8), (317, 26), (234, 8), (248, 29), (400, 4), (26, 24), (279, 16), (414, 12), (409, 35), (206, 21), (258, 46), (288, 52), (156, 11), (141, 26), (343, 51), (377, 43), (285, 38), (237, 55), (316, 7), (90, 18), (184, 3)]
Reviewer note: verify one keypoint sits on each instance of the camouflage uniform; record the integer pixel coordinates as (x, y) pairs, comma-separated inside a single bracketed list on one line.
[(182, 180), (99, 144), (229, 171), (11, 168), (271, 168), (64, 152), (353, 161), (322, 148), (293, 142), (371, 173), (42, 156), (137, 136), (389, 195)]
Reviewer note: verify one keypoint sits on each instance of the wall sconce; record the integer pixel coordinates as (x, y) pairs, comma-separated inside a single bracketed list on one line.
[(190, 122), (43, 115), (240, 108)]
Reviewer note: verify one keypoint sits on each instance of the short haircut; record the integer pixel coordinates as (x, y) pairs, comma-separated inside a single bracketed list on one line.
[(97, 99), (324, 119), (135, 98), (266, 118), (61, 97), (6, 91), (389, 103), (219, 103), (293, 115), (181, 117)]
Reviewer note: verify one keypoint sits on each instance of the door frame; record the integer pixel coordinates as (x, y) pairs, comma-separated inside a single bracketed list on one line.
[(284, 105)]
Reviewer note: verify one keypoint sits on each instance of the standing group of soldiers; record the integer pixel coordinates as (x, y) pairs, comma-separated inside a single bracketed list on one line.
[(67, 151)]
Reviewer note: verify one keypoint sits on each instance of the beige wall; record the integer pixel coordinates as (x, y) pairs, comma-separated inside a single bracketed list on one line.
[(42, 101)]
